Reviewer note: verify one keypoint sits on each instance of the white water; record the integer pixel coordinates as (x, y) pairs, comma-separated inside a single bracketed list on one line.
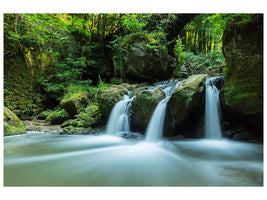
[(118, 121), (212, 111), (154, 130)]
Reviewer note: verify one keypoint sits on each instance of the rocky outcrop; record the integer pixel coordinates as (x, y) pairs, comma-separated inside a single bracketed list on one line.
[(12, 124), (143, 106), (242, 93), (142, 58), (185, 107), (108, 98)]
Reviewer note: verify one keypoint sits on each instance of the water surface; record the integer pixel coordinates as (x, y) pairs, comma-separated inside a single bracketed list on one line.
[(47, 159)]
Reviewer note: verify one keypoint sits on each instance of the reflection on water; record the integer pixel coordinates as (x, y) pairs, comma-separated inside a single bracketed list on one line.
[(46, 159)]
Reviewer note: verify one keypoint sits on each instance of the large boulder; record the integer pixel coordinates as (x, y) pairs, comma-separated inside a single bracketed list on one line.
[(141, 58), (143, 106), (242, 93), (12, 124), (108, 98), (185, 107)]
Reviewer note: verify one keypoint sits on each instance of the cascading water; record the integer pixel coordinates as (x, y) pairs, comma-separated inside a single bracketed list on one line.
[(212, 110), (118, 121), (155, 127), (104, 160)]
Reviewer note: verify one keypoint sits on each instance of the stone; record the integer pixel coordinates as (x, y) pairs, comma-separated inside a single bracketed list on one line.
[(244, 136), (12, 124), (142, 58), (143, 106), (186, 106), (73, 130), (242, 93), (74, 104), (228, 133), (58, 116), (108, 98)]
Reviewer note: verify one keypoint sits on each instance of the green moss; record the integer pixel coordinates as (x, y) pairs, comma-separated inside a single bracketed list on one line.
[(12, 124), (77, 130), (57, 116), (108, 98)]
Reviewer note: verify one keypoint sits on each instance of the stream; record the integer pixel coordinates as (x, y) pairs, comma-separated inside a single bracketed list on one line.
[(48, 159)]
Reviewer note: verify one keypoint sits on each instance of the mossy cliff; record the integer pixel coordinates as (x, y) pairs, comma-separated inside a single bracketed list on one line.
[(242, 93)]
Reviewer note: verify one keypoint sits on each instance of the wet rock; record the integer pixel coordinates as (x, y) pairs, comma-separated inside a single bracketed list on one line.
[(143, 106), (108, 98), (244, 136), (186, 105), (132, 135), (229, 133)]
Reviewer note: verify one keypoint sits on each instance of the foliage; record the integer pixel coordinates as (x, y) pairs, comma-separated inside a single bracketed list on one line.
[(57, 116), (204, 63), (53, 56), (180, 55)]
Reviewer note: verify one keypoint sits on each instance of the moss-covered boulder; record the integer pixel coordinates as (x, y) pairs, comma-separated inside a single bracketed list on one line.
[(12, 124), (142, 57), (143, 106), (186, 106), (90, 117), (57, 116), (108, 98), (74, 104), (242, 93)]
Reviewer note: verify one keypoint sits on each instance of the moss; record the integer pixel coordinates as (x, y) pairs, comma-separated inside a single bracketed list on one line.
[(186, 98), (243, 74), (143, 106), (12, 124), (141, 57), (108, 98), (91, 117), (57, 116), (77, 130)]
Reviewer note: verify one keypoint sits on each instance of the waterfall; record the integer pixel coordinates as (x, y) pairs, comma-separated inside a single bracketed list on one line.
[(118, 120), (154, 130), (212, 110)]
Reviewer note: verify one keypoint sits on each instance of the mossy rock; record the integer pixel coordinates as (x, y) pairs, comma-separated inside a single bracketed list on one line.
[(143, 106), (75, 104), (186, 105), (108, 98), (73, 130), (242, 93), (43, 115), (12, 124), (57, 116), (142, 57), (91, 117)]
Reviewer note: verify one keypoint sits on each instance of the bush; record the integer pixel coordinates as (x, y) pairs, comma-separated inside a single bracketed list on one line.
[(204, 63)]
